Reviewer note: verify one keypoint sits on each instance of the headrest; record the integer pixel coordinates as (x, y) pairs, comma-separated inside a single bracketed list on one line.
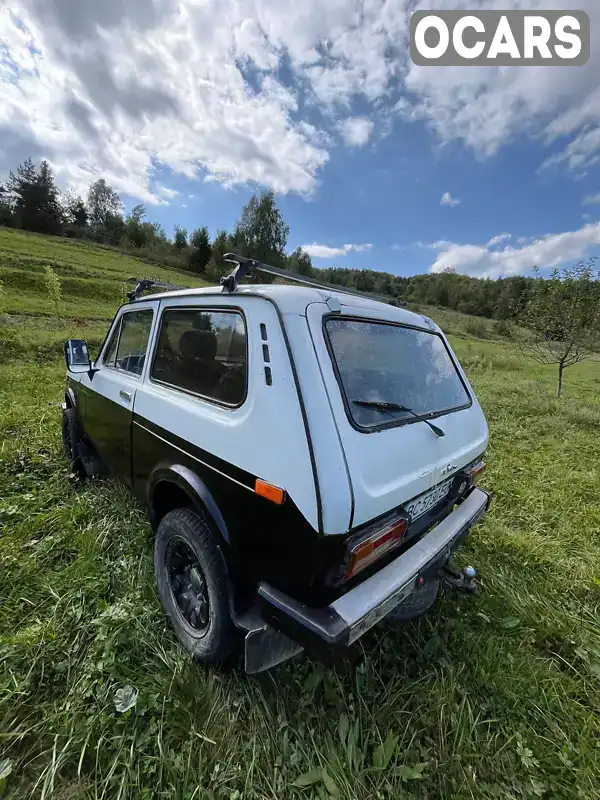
[(198, 344)]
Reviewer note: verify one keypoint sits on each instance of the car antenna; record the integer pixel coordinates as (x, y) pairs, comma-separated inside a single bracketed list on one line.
[(249, 266)]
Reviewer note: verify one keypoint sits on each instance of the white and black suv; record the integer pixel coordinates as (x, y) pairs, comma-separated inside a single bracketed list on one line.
[(308, 457)]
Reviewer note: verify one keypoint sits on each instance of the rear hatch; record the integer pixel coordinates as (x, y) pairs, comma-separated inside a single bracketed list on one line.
[(376, 365)]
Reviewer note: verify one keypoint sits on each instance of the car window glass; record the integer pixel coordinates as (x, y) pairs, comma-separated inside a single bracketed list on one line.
[(133, 342), (380, 363), (111, 349), (203, 352)]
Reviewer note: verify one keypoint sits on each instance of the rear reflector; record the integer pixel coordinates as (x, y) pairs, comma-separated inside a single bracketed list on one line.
[(369, 550), (270, 492), (477, 471)]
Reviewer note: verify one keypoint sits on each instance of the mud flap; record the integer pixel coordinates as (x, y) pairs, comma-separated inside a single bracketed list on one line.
[(266, 647)]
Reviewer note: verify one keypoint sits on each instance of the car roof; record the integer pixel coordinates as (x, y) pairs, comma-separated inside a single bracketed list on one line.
[(295, 299)]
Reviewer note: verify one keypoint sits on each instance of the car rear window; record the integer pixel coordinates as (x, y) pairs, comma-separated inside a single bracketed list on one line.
[(391, 365), (203, 351)]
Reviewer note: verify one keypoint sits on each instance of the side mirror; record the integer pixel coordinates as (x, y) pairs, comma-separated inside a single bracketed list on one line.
[(76, 355)]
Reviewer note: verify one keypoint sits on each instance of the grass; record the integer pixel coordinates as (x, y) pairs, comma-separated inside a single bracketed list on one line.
[(496, 696)]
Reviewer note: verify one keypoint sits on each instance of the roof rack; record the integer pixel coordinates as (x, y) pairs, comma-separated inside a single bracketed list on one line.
[(143, 284), (249, 266)]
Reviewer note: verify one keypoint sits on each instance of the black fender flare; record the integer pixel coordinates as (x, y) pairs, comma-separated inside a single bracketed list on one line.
[(193, 486), (70, 398), (202, 500)]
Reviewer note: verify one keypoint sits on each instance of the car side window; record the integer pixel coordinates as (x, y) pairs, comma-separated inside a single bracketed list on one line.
[(108, 359), (129, 342), (203, 351)]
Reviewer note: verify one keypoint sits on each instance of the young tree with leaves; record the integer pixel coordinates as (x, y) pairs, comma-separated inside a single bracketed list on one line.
[(53, 289), (200, 250), (105, 211), (562, 315), (180, 241), (300, 262), (261, 232)]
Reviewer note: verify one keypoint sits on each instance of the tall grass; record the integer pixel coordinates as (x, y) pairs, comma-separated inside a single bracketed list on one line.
[(495, 696)]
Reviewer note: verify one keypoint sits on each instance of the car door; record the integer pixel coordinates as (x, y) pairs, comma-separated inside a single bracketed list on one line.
[(111, 387)]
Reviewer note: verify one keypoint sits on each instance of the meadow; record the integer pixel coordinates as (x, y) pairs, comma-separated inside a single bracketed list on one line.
[(494, 696)]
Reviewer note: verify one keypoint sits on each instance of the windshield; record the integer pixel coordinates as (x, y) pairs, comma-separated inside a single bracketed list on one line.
[(409, 371)]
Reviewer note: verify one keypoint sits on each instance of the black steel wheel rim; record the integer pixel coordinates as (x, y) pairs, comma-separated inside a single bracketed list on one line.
[(187, 584)]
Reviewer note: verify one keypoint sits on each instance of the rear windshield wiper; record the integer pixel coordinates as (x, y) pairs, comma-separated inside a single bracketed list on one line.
[(384, 407)]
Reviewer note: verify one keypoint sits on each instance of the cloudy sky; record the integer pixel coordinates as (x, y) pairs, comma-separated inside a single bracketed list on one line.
[(191, 106)]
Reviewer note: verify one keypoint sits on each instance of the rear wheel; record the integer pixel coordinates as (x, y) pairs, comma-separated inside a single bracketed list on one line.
[(193, 585)]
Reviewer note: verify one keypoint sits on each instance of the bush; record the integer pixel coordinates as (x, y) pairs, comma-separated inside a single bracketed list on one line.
[(477, 328), (502, 327)]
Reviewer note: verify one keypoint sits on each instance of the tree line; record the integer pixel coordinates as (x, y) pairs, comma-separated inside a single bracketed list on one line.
[(31, 200)]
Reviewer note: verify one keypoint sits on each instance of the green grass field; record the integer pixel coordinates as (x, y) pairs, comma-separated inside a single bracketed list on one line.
[(496, 696)]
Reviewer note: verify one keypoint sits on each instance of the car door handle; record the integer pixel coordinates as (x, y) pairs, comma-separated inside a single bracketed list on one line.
[(125, 396)]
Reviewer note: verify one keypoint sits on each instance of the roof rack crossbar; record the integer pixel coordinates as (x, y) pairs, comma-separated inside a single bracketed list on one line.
[(143, 284), (249, 266)]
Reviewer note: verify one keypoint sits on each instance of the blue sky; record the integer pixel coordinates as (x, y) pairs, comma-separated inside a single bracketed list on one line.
[(191, 107)]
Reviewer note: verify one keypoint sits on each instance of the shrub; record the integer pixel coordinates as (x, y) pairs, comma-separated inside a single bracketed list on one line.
[(502, 327), (52, 284), (477, 328)]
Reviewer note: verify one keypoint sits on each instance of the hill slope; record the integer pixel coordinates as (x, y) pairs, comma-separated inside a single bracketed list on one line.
[(92, 285)]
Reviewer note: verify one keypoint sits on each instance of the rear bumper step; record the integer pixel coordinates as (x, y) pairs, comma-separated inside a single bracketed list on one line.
[(325, 630)]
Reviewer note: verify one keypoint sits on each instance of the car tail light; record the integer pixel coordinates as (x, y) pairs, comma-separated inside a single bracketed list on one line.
[(369, 550), (476, 471)]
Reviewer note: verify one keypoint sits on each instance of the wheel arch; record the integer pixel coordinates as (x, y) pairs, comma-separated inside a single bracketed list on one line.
[(170, 484), (70, 398)]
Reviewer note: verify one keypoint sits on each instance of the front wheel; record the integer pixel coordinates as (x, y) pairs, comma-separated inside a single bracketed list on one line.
[(70, 440), (193, 585)]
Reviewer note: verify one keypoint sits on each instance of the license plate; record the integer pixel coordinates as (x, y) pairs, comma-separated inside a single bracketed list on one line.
[(421, 505)]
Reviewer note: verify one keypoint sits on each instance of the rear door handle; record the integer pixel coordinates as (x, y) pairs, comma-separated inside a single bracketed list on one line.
[(125, 396)]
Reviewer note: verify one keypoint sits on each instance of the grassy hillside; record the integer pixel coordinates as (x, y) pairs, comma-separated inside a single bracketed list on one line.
[(92, 283), (496, 696)]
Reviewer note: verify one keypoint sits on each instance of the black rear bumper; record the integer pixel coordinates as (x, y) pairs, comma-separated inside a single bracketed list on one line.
[(325, 631)]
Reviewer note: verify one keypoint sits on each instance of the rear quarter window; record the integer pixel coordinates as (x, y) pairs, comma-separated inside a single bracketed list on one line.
[(203, 352)]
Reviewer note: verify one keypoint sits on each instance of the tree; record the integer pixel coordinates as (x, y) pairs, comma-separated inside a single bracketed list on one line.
[(52, 284), (75, 215), (134, 226), (33, 196), (200, 250), (180, 241), (300, 262), (6, 211), (261, 232), (563, 317), (105, 213)]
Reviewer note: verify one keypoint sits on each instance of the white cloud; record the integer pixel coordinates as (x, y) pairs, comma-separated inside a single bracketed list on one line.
[(591, 199), (356, 131), (551, 250), (448, 200), (196, 86), (500, 239), (488, 107), (315, 250)]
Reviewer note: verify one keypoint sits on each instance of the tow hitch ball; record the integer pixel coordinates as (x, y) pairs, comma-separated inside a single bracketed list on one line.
[(459, 581)]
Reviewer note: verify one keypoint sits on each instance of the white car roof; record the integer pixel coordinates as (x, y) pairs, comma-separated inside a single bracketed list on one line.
[(295, 299)]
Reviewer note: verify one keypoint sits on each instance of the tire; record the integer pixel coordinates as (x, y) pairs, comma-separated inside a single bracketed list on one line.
[(70, 440), (193, 585), (417, 603)]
